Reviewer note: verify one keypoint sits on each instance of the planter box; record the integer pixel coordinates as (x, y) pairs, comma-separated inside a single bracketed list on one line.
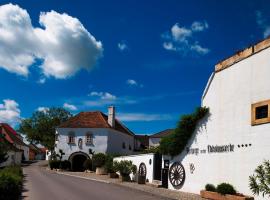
[(216, 196), (101, 171), (113, 175)]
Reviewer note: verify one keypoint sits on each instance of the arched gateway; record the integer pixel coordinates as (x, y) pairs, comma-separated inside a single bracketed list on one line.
[(77, 159)]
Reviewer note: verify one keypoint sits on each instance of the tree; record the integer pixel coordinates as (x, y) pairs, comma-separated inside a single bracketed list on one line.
[(3, 149), (40, 128), (260, 181)]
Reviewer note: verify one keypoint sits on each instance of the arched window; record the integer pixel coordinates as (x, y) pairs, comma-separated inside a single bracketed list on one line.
[(71, 138), (89, 138)]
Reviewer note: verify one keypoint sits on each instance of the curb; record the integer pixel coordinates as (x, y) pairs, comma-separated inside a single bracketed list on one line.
[(91, 179)]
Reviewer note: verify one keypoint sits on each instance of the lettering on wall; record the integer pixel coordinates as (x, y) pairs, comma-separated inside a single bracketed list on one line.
[(211, 149)]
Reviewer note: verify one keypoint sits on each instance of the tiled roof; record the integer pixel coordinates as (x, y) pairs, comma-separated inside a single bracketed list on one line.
[(162, 133), (10, 134), (94, 119)]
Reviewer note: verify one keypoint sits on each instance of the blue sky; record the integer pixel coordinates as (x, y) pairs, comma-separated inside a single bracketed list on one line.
[(151, 59)]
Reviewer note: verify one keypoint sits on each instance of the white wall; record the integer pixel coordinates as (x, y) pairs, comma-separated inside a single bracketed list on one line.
[(14, 158), (138, 159), (100, 137), (153, 142), (229, 97)]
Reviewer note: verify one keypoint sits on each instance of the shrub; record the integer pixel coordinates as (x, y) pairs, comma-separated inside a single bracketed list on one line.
[(210, 187), (260, 181), (225, 188), (11, 183), (54, 164), (99, 159), (125, 167), (65, 165), (87, 165), (109, 164)]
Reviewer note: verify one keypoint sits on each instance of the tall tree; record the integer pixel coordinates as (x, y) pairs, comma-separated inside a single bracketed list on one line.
[(40, 128)]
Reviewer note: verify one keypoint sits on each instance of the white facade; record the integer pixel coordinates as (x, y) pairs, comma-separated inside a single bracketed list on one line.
[(153, 142), (229, 96), (105, 140), (147, 159), (14, 158)]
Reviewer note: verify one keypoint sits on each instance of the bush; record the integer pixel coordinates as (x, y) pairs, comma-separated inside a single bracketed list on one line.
[(225, 188), (109, 164), (10, 183), (125, 167), (87, 165), (99, 159), (65, 165), (54, 164), (210, 187)]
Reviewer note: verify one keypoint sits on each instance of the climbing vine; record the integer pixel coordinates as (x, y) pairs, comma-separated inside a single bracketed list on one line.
[(175, 143)]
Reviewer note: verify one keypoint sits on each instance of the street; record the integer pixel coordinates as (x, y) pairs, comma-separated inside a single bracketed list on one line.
[(41, 184)]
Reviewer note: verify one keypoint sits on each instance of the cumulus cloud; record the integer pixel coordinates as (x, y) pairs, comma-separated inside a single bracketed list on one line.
[(122, 46), (132, 82), (42, 109), (61, 42), (10, 112), (103, 95), (181, 39), (263, 23), (70, 107), (143, 117)]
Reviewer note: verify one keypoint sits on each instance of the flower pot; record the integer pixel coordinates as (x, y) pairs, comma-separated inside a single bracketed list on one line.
[(125, 178), (216, 196), (113, 175), (101, 171)]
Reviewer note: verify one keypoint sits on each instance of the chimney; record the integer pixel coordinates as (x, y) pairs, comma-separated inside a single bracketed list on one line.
[(111, 116)]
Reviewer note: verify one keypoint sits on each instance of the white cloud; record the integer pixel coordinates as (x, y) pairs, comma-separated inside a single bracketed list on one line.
[(42, 80), (143, 117), (10, 112), (122, 46), (63, 44), (181, 39), (263, 23), (133, 82), (103, 95), (70, 107), (42, 109)]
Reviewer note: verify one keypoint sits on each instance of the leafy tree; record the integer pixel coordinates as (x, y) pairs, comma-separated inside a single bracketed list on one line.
[(40, 128), (176, 142), (260, 181)]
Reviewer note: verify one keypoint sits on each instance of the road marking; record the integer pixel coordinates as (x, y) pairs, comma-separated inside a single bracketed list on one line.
[(91, 179)]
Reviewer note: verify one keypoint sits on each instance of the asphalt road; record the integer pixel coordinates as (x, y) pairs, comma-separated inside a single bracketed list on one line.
[(41, 184)]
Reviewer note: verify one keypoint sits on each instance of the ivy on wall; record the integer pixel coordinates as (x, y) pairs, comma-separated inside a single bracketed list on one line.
[(175, 143)]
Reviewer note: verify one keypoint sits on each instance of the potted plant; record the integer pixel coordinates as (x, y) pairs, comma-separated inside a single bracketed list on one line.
[(99, 160), (223, 191), (87, 165), (110, 167), (125, 168)]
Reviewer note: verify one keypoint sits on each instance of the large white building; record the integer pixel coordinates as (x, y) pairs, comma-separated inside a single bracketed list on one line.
[(96, 132), (234, 138)]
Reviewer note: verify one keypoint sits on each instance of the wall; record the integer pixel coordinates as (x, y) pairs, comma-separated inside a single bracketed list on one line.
[(138, 159), (115, 141), (153, 142), (14, 158), (229, 97), (100, 136)]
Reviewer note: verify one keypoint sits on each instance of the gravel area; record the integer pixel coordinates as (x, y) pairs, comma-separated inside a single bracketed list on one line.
[(145, 188)]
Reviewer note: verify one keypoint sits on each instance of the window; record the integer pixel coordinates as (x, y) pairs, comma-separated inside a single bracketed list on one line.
[(89, 138), (129, 147), (260, 113), (123, 145), (71, 138)]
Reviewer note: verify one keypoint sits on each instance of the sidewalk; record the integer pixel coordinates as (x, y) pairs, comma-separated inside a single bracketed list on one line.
[(133, 185)]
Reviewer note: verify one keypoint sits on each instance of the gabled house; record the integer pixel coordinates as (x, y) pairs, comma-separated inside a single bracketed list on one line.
[(154, 139), (96, 132)]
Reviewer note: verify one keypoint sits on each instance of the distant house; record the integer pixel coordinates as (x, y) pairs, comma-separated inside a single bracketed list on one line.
[(141, 142), (17, 149), (96, 132), (36, 153), (154, 139)]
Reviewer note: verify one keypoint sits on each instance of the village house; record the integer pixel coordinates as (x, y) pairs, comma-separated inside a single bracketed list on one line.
[(154, 139), (234, 138), (89, 132)]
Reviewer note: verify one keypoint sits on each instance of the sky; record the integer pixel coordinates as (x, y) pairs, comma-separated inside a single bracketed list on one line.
[(150, 59)]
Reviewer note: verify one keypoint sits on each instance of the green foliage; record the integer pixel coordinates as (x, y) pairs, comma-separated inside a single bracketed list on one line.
[(125, 167), (109, 164), (3, 149), (40, 128), (175, 143), (225, 188), (210, 187), (11, 179), (58, 164), (66, 165), (61, 153), (151, 149), (54, 164), (99, 159), (260, 181), (87, 165)]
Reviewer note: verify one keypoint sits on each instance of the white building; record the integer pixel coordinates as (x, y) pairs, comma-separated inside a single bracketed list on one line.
[(93, 131), (154, 139), (235, 138)]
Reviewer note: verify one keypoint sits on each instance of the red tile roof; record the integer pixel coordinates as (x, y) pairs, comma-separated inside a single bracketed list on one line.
[(94, 119), (10, 134), (162, 133)]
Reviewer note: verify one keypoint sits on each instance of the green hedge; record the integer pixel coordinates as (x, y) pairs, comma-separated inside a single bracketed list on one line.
[(11, 179), (225, 188), (99, 159)]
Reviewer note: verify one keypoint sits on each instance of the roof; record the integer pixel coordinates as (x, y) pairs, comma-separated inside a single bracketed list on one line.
[(94, 119), (34, 148), (162, 133), (10, 134), (243, 54)]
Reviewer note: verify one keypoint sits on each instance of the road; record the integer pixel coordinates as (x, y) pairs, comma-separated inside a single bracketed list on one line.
[(41, 184)]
